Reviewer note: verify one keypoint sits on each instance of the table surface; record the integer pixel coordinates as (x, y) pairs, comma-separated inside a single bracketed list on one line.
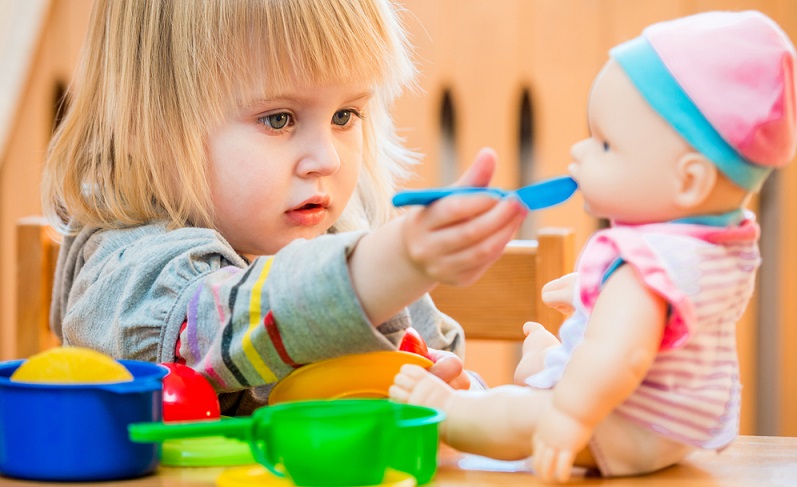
[(750, 461)]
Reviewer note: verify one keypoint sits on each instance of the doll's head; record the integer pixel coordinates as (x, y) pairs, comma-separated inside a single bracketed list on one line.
[(689, 118), (156, 77)]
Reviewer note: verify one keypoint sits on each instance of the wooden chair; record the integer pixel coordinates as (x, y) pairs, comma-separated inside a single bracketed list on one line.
[(493, 308), (508, 294), (37, 254)]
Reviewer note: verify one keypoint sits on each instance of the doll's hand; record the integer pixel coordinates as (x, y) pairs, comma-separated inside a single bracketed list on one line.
[(537, 343), (457, 238), (449, 368), (560, 294), (557, 441)]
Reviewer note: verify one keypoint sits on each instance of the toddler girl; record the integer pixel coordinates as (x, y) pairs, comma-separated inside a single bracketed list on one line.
[(223, 179), (685, 122)]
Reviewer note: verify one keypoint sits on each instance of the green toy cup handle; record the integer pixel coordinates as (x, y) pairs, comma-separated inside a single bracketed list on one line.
[(238, 428), (258, 446)]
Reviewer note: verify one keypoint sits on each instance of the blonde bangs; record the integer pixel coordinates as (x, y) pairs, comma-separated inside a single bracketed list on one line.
[(279, 43)]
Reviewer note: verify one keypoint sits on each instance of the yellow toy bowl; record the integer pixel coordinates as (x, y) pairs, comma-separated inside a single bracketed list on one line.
[(360, 375)]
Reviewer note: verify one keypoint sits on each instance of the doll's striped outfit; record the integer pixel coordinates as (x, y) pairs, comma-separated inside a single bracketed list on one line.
[(691, 394)]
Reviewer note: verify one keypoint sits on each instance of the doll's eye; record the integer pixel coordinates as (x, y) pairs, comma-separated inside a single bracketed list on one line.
[(605, 146), (276, 121)]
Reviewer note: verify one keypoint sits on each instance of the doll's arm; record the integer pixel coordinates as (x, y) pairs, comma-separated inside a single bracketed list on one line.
[(619, 346), (560, 293)]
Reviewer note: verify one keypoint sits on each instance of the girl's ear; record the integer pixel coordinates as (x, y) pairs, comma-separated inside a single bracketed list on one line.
[(696, 177)]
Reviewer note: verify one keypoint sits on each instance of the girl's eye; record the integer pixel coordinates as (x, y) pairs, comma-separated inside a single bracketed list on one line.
[(605, 146), (276, 121), (341, 117)]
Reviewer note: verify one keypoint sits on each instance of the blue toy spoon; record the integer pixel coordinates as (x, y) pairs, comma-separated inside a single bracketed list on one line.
[(543, 194)]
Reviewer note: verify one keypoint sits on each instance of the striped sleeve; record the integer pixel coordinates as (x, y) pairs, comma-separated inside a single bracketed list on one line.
[(251, 327)]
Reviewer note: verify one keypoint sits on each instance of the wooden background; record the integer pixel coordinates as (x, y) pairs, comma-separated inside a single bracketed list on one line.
[(510, 74)]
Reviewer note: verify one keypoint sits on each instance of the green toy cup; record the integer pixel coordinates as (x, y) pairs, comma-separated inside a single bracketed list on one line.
[(417, 440), (321, 443), (326, 443)]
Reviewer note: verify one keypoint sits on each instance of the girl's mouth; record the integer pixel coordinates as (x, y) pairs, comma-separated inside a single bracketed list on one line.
[(308, 214)]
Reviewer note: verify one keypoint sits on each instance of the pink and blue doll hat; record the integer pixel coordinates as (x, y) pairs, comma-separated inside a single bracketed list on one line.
[(725, 81)]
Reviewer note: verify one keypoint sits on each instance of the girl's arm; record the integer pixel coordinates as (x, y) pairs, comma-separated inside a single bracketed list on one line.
[(253, 326), (621, 341)]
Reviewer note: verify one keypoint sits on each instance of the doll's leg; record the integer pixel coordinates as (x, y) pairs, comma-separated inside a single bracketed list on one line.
[(535, 346), (498, 422)]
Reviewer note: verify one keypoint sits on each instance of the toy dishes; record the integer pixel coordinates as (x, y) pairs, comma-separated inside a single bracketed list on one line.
[(350, 376), (415, 448), (326, 443), (414, 343), (259, 476), (78, 432), (71, 365), (187, 395), (537, 196), (334, 443)]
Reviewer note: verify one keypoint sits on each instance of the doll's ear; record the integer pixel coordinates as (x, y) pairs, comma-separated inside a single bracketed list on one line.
[(697, 177)]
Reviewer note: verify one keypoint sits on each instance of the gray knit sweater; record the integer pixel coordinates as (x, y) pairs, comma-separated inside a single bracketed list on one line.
[(137, 293)]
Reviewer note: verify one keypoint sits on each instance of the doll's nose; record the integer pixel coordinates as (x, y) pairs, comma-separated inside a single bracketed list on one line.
[(578, 150)]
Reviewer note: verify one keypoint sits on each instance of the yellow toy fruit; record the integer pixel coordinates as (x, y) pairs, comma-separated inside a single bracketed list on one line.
[(71, 365)]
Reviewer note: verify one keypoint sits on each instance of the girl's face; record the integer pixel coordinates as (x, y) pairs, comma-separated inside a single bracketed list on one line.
[(627, 169), (285, 167)]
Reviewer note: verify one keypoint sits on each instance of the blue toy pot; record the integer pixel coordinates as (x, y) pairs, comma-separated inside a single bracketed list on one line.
[(78, 432)]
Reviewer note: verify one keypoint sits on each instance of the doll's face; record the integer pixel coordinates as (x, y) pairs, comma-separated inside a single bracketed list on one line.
[(627, 169)]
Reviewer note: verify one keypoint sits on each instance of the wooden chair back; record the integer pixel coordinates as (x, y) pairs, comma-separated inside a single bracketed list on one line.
[(508, 294), (37, 254)]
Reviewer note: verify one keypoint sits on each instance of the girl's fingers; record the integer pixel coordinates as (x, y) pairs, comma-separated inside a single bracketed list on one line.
[(481, 171), (429, 248), (487, 239), (474, 228), (466, 264), (456, 209), (447, 366)]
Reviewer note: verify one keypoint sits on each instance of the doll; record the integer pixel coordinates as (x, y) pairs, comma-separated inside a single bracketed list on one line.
[(686, 122)]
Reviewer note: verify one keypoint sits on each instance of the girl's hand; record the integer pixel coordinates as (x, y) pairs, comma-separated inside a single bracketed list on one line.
[(560, 294), (448, 367), (455, 239), (452, 241)]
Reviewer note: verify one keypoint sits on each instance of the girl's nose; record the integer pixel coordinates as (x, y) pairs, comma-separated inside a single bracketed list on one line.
[(320, 158)]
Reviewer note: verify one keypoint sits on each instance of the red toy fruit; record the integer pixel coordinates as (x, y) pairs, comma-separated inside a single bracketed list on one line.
[(413, 343), (187, 395)]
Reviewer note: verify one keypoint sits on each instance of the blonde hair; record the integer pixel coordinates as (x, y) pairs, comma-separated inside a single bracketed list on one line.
[(156, 76)]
